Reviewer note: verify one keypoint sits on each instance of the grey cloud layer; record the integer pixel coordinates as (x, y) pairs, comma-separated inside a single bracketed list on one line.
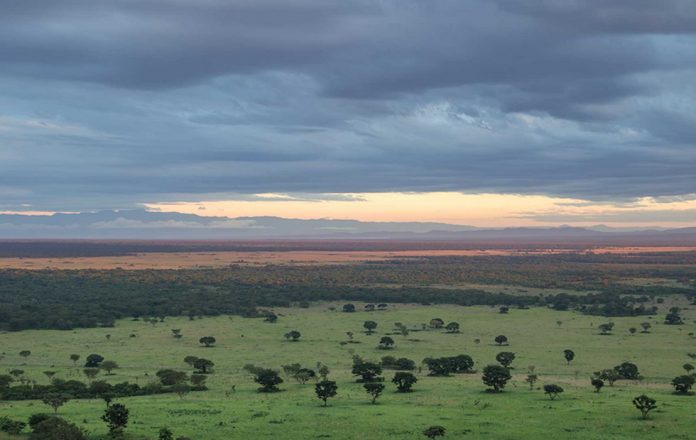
[(109, 104)]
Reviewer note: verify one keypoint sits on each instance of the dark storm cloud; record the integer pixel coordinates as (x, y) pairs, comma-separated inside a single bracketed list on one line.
[(107, 104)]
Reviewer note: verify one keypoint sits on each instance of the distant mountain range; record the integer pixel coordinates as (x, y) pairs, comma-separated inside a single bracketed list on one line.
[(141, 224)]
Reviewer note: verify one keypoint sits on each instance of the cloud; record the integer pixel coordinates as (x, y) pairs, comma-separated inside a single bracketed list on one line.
[(115, 104)]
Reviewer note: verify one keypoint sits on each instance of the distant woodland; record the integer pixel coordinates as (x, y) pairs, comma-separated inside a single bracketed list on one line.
[(90, 298)]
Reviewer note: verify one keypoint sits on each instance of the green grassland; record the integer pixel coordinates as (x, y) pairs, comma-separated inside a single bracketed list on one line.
[(458, 403)]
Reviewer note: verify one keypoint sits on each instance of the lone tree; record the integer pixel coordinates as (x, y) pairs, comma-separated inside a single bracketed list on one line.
[(627, 370), (109, 366), (674, 317), (505, 358), (386, 343), (404, 381), (293, 335), (436, 323), (370, 326), (552, 390), (74, 358), (569, 355), (683, 384), (176, 333), (116, 418), (94, 361), (644, 404), (268, 379), (55, 400), (606, 328), (434, 431), (501, 339), (368, 371), (90, 373), (325, 390), (374, 389), (531, 379), (208, 341), (688, 368), (203, 366), (496, 377), (452, 327), (304, 374), (646, 327), (597, 384), (25, 353)]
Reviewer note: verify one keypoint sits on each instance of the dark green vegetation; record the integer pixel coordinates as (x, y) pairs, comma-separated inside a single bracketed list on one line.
[(593, 284)]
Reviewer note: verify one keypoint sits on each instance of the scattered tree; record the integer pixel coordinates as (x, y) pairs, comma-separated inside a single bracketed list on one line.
[(268, 379), (109, 366), (165, 434), (496, 376), (436, 323), (116, 418), (688, 368), (203, 366), (552, 390), (90, 373), (606, 328), (569, 355), (674, 317), (349, 308), (644, 404), (404, 381), (452, 327), (74, 358), (505, 358), (646, 327), (501, 339), (374, 389), (370, 326), (627, 370), (208, 341), (531, 379), (94, 361), (55, 400), (325, 390), (386, 343), (293, 335), (368, 371)]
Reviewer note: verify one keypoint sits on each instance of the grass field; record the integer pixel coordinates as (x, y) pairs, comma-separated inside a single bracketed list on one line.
[(458, 403)]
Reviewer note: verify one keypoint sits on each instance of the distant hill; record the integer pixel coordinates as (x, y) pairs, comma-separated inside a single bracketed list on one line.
[(148, 225)]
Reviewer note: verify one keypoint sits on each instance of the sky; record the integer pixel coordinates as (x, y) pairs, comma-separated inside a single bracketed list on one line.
[(481, 112)]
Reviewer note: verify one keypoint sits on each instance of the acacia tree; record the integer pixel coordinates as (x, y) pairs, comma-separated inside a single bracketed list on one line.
[(91, 373), (606, 328), (501, 339), (74, 358), (505, 358), (304, 374), (94, 361), (268, 379), (452, 327), (203, 366), (25, 353), (552, 390), (109, 366), (644, 404), (496, 376), (208, 341), (368, 371), (569, 355), (55, 400), (325, 390), (688, 368), (374, 389), (531, 379), (609, 374), (646, 327), (116, 418), (293, 335), (386, 343), (404, 381), (370, 326)]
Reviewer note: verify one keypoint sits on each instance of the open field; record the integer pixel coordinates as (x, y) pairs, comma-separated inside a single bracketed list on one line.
[(217, 259), (456, 402)]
